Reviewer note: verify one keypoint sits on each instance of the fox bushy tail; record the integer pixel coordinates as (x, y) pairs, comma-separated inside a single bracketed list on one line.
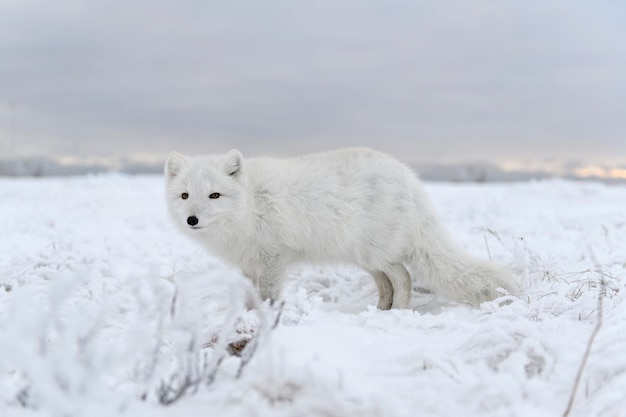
[(449, 271)]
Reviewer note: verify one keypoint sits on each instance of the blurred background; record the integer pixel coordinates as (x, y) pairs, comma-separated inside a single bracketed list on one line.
[(481, 90)]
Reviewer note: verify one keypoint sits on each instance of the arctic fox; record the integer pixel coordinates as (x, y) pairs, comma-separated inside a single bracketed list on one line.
[(348, 206)]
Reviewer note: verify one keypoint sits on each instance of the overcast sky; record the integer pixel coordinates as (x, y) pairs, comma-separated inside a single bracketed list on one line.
[(424, 80)]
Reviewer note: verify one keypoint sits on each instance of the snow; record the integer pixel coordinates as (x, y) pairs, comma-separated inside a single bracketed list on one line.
[(102, 302)]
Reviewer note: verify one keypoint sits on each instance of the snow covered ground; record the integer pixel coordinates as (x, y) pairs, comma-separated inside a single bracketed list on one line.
[(105, 309)]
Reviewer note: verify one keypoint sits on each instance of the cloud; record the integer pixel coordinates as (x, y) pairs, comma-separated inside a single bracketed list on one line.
[(422, 80)]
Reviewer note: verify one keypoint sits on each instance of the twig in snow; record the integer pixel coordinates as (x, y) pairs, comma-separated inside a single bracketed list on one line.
[(173, 304), (592, 337), (487, 246), (197, 369), (172, 391)]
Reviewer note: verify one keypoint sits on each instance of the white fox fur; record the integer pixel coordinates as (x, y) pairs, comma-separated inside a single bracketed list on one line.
[(348, 206)]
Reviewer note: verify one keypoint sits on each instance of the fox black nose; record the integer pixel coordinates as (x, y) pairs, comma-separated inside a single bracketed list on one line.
[(192, 220)]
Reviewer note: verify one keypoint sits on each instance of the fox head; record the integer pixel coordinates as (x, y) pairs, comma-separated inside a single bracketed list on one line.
[(206, 192)]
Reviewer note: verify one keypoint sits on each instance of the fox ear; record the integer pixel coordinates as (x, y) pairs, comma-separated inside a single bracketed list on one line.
[(233, 163), (174, 165)]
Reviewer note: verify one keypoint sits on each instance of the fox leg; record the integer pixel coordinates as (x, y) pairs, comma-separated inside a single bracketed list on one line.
[(401, 282), (385, 289), (270, 281)]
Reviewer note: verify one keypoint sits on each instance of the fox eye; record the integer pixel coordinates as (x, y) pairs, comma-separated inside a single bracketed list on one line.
[(184, 196), (214, 195)]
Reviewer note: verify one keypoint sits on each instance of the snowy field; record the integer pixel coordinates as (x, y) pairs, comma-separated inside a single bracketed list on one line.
[(105, 309)]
